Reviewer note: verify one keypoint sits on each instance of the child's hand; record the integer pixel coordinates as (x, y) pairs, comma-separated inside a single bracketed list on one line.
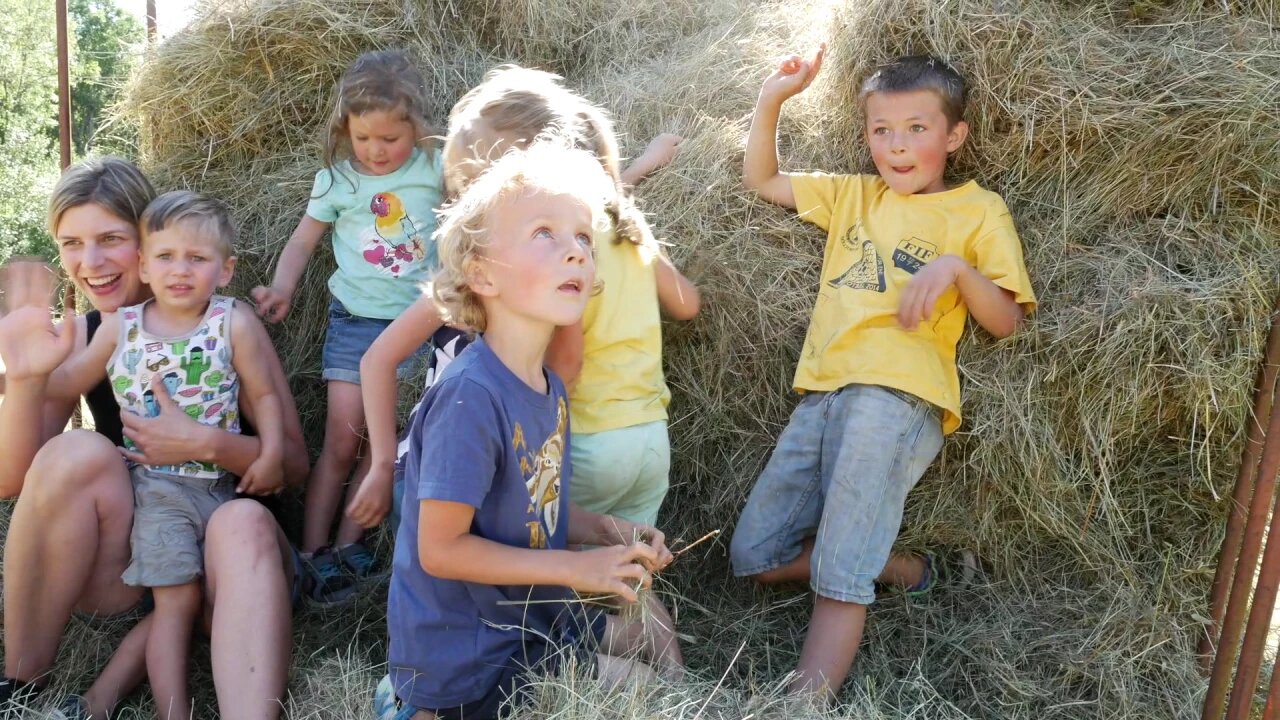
[(794, 74), (661, 151), (272, 303), (654, 538), (922, 292), (264, 477), (617, 570), (373, 500)]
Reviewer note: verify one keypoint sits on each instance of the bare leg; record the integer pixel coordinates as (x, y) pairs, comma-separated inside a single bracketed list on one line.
[(342, 437), (248, 575), (616, 673), (902, 570), (68, 544), (830, 646), (627, 636), (349, 530), (124, 672), (168, 644)]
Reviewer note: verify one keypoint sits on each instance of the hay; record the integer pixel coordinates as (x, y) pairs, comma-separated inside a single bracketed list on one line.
[(1135, 143)]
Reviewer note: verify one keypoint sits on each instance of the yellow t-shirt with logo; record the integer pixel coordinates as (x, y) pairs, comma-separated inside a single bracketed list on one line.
[(621, 383), (876, 241)]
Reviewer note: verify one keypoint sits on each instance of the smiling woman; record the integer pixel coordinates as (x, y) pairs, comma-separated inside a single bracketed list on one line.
[(84, 499)]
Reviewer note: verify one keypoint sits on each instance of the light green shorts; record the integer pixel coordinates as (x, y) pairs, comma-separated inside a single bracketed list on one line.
[(622, 472)]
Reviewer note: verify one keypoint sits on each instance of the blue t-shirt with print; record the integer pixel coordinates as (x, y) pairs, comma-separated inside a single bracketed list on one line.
[(484, 438), (382, 227)]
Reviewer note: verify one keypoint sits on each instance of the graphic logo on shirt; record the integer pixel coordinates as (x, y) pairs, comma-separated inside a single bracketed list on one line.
[(394, 242), (913, 253), (865, 274), (543, 483)]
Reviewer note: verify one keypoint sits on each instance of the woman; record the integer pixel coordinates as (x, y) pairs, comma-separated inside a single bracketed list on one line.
[(68, 538)]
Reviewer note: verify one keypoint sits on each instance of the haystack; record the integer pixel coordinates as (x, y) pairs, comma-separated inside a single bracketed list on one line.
[(1136, 145)]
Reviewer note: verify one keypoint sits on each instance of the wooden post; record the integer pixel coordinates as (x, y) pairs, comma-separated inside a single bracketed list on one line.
[(151, 21)]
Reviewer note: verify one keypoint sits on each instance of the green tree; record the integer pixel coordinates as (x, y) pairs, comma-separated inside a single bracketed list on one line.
[(107, 43), (104, 45), (28, 124)]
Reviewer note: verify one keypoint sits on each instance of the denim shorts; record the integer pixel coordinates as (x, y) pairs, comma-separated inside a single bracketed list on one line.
[(347, 339), (841, 471)]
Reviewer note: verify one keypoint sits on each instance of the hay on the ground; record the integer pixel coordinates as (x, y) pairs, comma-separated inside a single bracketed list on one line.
[(1136, 145)]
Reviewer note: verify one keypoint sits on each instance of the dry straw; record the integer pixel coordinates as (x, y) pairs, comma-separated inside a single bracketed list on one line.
[(1137, 147)]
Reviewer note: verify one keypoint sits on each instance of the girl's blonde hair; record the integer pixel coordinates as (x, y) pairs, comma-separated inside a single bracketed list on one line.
[(113, 183), (552, 165), (519, 104), (380, 80)]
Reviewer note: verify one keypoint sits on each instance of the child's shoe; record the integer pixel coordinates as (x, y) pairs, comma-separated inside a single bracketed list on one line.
[(932, 575), (73, 707), (357, 559), (328, 583)]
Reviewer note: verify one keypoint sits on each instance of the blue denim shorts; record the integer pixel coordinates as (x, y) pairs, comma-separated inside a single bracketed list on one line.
[(841, 471), (346, 340)]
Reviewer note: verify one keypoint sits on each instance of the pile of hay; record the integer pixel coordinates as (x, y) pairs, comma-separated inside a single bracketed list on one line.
[(1137, 148)]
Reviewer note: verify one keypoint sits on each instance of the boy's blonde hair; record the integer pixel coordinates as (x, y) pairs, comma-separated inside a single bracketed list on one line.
[(203, 215), (113, 183), (551, 165), (521, 104)]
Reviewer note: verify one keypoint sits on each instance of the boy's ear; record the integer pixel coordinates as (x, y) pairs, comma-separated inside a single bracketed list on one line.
[(956, 136), (479, 280), (228, 271), (142, 268)]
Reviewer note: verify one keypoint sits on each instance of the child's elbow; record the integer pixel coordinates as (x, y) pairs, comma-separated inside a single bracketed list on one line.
[(687, 308), (1008, 325)]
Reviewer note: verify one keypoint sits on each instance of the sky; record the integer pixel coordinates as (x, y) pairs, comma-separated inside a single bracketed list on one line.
[(171, 15)]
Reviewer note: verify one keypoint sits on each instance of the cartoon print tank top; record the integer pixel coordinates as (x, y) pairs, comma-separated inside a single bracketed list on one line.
[(195, 370)]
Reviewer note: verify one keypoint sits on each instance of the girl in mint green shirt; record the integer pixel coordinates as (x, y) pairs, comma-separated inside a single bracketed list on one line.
[(378, 191)]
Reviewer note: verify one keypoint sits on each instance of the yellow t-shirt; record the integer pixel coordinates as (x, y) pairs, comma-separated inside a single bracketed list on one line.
[(876, 240), (621, 383)]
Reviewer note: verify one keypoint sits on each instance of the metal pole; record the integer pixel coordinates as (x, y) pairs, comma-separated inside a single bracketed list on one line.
[(1262, 405), (64, 87), (1273, 698), (1264, 597), (1242, 583), (64, 112)]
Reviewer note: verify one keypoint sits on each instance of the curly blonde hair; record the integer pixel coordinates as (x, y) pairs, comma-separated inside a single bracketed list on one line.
[(516, 105), (551, 165)]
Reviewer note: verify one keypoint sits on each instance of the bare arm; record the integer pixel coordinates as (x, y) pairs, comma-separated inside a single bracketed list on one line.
[(447, 549), (660, 152), (251, 346), (275, 301), (760, 163), (677, 296), (991, 306), (397, 342), (88, 367), (31, 347)]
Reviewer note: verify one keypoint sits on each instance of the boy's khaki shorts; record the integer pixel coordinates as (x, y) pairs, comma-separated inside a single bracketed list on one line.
[(169, 518)]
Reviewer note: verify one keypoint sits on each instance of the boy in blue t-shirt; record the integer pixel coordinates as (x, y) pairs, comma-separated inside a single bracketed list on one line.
[(482, 588)]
